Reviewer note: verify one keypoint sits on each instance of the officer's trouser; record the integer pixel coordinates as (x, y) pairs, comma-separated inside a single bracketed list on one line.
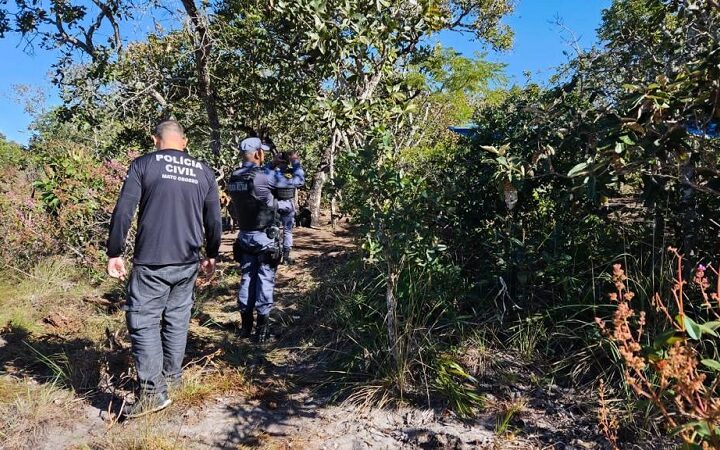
[(258, 274), (288, 222), (158, 309)]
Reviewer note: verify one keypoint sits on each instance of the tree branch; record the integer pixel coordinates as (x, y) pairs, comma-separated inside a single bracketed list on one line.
[(203, 49), (110, 14), (63, 36)]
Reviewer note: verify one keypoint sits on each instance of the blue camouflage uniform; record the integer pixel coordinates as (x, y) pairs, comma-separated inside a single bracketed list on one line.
[(258, 272), (295, 176), (287, 218)]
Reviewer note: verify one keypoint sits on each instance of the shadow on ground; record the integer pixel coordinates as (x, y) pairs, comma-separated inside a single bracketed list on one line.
[(95, 371)]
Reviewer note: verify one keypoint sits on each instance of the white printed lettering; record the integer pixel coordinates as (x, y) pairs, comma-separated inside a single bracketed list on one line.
[(184, 161), (189, 171)]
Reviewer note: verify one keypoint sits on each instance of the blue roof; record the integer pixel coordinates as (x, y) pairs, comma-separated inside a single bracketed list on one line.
[(710, 131), (465, 130)]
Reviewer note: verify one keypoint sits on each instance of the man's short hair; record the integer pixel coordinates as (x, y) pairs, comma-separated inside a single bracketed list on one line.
[(169, 126)]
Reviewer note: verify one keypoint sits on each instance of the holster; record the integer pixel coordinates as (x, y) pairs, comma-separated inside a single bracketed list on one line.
[(271, 255), (274, 253), (237, 251)]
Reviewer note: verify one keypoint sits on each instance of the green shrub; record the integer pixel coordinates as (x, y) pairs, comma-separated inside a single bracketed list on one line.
[(78, 192)]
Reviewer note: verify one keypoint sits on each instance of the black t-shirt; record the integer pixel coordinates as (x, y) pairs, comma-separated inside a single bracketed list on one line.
[(179, 208)]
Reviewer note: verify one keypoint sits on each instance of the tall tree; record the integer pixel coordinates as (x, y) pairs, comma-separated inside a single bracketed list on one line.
[(363, 50)]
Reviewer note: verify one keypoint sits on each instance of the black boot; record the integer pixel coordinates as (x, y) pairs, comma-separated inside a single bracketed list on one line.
[(246, 324), (287, 259), (262, 330)]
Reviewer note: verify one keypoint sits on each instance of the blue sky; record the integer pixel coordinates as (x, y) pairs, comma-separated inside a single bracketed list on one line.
[(539, 46), (539, 41)]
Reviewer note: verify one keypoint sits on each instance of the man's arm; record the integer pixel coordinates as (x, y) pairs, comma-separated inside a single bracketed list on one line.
[(212, 222), (124, 212)]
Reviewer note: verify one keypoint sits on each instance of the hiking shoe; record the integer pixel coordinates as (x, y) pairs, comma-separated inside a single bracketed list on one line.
[(146, 404)]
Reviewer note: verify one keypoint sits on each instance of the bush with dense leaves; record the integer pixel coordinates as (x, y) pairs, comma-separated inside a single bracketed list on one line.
[(56, 199)]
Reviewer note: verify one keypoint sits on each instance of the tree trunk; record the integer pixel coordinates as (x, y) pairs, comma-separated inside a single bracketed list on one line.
[(315, 196), (321, 176), (394, 346), (391, 305), (203, 48), (333, 199)]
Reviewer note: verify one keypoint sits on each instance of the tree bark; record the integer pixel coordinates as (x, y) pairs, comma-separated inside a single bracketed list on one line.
[(688, 225), (333, 199), (315, 196), (203, 49), (321, 176), (391, 319)]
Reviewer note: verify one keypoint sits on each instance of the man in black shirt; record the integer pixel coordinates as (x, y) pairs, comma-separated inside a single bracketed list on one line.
[(179, 208)]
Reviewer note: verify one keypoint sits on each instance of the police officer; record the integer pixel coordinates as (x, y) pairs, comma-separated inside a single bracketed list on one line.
[(253, 188), (286, 197), (179, 209)]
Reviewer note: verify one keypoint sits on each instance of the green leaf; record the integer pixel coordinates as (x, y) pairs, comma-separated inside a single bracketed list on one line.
[(707, 330), (711, 364), (693, 330), (667, 338), (713, 325), (631, 87), (627, 140), (701, 427), (577, 170)]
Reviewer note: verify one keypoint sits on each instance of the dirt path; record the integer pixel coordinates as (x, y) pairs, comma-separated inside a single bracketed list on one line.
[(236, 395)]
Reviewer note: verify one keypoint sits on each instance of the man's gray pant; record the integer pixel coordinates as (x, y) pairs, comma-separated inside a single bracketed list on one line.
[(158, 309)]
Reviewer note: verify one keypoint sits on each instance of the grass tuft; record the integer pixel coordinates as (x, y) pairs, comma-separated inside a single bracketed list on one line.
[(27, 297), (506, 413), (26, 408), (199, 386)]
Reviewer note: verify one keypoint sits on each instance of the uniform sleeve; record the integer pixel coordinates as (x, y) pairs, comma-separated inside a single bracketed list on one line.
[(274, 178), (124, 211), (212, 221)]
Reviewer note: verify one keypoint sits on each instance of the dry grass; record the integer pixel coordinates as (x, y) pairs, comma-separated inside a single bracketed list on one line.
[(55, 338), (265, 441), (372, 395), (147, 438), (26, 410), (153, 432), (200, 385), (54, 286), (50, 348)]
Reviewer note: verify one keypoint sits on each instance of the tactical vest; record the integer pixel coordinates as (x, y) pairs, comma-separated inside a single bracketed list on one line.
[(251, 213), (286, 193)]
